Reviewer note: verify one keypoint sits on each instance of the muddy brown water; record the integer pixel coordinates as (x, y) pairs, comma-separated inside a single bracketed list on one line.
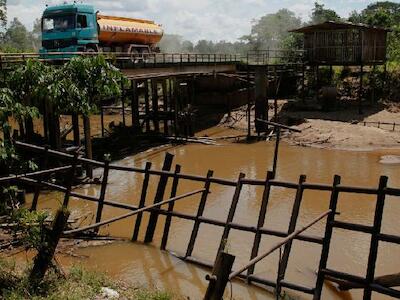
[(148, 266)]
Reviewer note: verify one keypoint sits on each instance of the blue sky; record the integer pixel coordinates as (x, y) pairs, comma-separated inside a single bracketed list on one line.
[(193, 19)]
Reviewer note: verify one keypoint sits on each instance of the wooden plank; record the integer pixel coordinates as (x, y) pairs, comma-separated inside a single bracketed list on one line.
[(142, 202), (231, 214), (147, 104), (103, 190), (170, 209), (327, 239), (38, 187), (292, 227), (135, 105), (261, 220), (162, 184), (154, 99), (200, 212), (373, 254), (70, 181)]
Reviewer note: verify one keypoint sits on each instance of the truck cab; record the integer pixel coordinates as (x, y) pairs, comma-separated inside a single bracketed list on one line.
[(69, 28)]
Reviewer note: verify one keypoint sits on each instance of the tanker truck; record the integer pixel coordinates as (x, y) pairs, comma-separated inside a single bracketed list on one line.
[(79, 28)]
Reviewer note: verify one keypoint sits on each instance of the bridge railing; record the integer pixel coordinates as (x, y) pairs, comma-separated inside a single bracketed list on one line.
[(8, 59), (274, 56)]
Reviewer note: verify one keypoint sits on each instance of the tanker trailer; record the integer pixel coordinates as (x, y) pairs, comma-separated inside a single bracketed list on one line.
[(77, 27)]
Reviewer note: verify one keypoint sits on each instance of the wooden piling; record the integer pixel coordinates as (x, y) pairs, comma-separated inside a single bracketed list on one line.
[(327, 239), (170, 208), (162, 184), (154, 99), (147, 105), (199, 214), (261, 220), (142, 202), (135, 105), (47, 249), (165, 105), (292, 227), (220, 276), (70, 181), (88, 145), (38, 187), (75, 126), (373, 252), (231, 214), (103, 189)]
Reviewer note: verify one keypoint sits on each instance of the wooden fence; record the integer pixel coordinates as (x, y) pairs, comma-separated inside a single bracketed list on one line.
[(368, 283), (382, 125)]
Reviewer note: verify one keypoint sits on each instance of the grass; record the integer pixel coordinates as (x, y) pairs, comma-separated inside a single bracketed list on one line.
[(78, 284)]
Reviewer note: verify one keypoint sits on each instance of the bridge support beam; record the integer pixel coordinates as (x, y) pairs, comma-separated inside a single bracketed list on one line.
[(261, 101)]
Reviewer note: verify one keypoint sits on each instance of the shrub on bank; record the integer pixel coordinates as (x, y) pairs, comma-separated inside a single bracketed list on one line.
[(77, 284)]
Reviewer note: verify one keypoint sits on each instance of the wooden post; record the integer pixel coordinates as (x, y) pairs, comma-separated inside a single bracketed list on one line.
[(303, 79), (135, 106), (170, 208), (248, 101), (162, 184), (373, 254), (48, 248), (276, 151), (103, 190), (102, 121), (147, 105), (154, 99), (88, 145), (75, 126), (165, 105), (360, 93), (327, 239), (38, 187), (200, 212), (70, 180), (292, 227), (232, 210), (220, 276), (261, 220), (261, 105), (142, 202), (123, 96)]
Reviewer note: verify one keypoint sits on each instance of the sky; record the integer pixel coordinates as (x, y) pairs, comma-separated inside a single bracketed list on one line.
[(193, 19)]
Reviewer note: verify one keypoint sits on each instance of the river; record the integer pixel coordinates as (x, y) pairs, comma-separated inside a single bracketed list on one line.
[(147, 265)]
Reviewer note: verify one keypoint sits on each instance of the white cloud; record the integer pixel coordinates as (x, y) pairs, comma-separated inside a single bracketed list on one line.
[(193, 19)]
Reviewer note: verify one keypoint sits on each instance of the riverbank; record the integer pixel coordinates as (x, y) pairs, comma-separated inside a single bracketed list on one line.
[(341, 130), (76, 283)]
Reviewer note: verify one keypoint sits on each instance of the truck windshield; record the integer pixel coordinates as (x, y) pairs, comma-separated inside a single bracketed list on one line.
[(58, 23)]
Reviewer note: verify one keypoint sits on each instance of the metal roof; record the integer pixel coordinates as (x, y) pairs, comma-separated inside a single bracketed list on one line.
[(332, 25)]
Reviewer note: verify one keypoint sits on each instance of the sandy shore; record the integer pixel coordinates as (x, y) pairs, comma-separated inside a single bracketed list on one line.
[(344, 136), (343, 129)]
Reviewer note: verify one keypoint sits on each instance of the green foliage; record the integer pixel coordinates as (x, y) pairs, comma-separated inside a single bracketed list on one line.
[(3, 12), (78, 284), (94, 78), (272, 29), (320, 14), (29, 226)]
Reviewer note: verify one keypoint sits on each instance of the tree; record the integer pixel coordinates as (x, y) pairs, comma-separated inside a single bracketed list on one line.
[(36, 35), (17, 36), (270, 30), (3, 12), (320, 14)]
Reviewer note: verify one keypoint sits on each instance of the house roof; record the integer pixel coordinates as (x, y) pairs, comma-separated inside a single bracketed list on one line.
[(332, 25)]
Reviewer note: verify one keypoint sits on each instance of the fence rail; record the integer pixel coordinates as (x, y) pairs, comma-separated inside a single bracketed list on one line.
[(259, 230), (143, 60), (382, 125)]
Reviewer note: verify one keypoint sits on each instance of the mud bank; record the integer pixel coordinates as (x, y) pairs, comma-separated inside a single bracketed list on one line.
[(343, 136)]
